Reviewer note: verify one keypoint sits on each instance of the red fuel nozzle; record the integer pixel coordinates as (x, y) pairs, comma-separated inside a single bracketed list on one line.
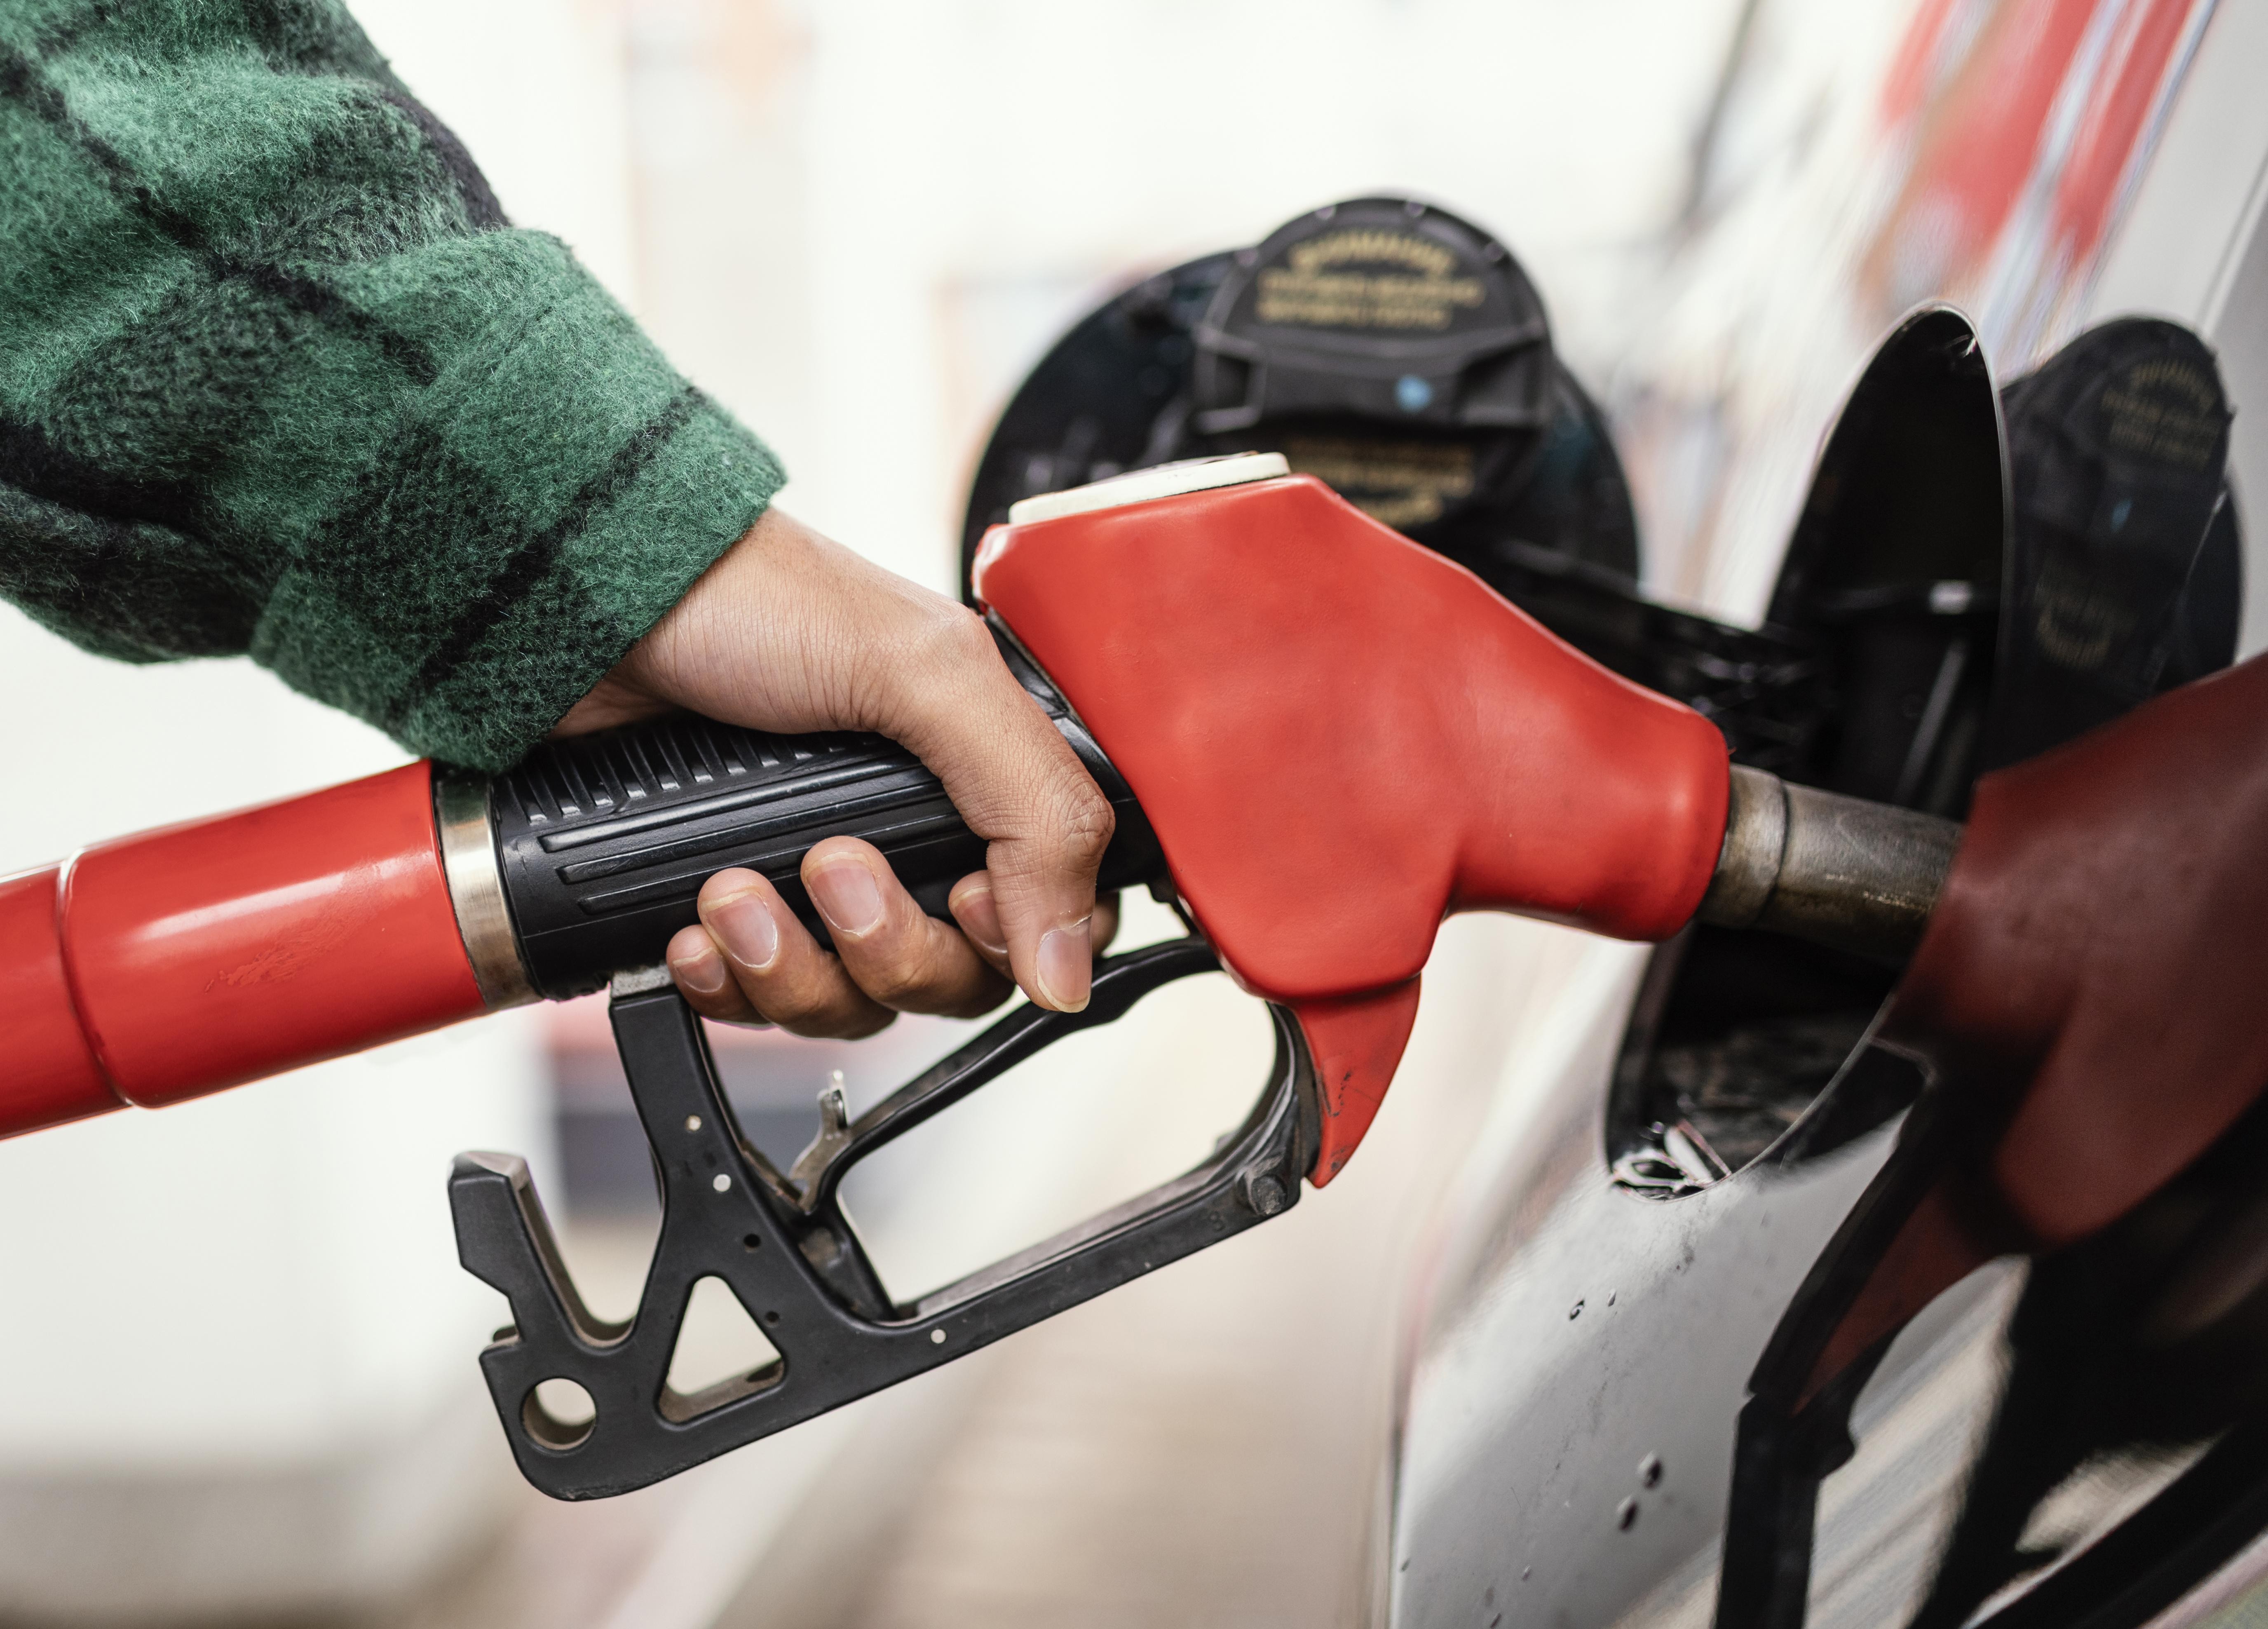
[(1340, 737)]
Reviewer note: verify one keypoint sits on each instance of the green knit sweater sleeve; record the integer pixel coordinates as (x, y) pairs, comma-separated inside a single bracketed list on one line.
[(276, 377)]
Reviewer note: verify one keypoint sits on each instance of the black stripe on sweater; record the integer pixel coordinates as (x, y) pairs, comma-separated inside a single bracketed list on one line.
[(327, 305), (538, 559), (21, 80), (480, 199), (31, 461)]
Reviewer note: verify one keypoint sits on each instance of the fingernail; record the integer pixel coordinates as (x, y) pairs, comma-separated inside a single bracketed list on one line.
[(1065, 967), (980, 918), (846, 897), (702, 972), (747, 930)]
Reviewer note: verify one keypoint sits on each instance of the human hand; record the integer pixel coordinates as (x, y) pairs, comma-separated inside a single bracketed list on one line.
[(792, 632)]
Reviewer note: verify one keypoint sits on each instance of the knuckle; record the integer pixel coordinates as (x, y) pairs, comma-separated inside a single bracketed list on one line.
[(846, 1017), (819, 999), (980, 999), (793, 1003), (1087, 824), (816, 1018), (867, 1022), (901, 973), (948, 633), (896, 983)]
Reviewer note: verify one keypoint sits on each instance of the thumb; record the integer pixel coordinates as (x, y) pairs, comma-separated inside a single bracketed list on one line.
[(1019, 786)]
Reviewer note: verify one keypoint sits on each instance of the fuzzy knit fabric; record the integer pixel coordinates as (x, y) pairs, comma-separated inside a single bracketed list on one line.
[(275, 376)]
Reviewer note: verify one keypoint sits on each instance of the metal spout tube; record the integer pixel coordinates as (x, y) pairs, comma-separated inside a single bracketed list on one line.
[(1835, 871)]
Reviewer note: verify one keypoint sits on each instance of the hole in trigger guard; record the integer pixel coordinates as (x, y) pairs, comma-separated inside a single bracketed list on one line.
[(807, 1280)]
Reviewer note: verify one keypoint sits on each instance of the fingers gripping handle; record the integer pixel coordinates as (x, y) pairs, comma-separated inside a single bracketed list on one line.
[(602, 842)]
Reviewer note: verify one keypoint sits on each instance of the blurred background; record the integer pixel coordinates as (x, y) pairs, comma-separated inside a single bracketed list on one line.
[(239, 1384)]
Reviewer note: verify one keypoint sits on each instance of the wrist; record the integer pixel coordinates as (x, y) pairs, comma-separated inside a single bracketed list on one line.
[(618, 698), (633, 689)]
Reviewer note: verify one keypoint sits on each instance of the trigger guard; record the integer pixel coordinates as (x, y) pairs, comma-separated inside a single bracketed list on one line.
[(1120, 981), (788, 1256)]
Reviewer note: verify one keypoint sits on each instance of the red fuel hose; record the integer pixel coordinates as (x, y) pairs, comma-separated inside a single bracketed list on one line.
[(180, 961)]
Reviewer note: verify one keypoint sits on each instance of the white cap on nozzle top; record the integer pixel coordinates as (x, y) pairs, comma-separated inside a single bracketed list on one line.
[(1191, 475)]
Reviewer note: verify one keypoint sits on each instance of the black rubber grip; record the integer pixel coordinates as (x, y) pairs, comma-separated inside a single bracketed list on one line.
[(604, 841)]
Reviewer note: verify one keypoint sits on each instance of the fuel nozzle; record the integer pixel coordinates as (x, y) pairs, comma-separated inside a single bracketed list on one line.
[(1322, 737), (1817, 866)]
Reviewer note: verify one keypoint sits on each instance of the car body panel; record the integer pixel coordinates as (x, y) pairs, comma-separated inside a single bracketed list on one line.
[(2043, 165)]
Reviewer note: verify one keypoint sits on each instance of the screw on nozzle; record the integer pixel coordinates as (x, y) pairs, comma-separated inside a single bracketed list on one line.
[(1264, 1192)]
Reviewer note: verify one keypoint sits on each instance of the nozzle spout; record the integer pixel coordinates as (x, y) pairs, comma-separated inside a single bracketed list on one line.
[(1837, 871)]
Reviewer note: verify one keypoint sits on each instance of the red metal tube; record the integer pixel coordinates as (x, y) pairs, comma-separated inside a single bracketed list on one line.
[(181, 962)]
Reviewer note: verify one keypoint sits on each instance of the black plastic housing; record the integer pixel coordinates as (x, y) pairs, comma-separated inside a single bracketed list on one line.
[(783, 1246), (603, 842)]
